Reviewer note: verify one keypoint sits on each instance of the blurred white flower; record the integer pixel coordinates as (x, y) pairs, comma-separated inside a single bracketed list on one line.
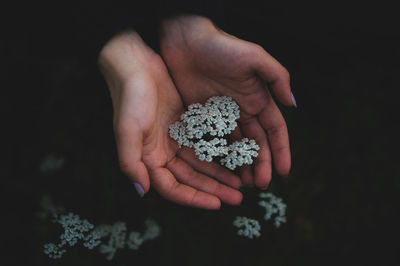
[(76, 229), (51, 163), (249, 228), (274, 208)]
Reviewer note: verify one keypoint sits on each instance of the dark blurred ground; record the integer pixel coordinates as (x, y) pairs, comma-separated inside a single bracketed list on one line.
[(343, 192)]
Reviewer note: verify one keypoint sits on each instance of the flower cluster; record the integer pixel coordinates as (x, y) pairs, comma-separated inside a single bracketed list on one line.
[(76, 229), (135, 239), (273, 206), (118, 240), (53, 251), (240, 152), (248, 227), (203, 128)]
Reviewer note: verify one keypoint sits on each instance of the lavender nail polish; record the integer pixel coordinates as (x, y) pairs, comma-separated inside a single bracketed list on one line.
[(139, 189), (293, 100)]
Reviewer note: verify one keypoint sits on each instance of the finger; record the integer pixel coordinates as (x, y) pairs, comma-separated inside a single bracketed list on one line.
[(277, 76), (129, 145), (187, 175), (273, 122), (246, 172), (165, 183), (252, 129), (211, 169)]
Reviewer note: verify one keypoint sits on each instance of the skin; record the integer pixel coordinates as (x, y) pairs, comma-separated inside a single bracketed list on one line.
[(145, 103), (205, 61)]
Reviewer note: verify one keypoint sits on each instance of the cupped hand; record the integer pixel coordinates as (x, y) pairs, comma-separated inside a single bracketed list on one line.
[(204, 61), (145, 103)]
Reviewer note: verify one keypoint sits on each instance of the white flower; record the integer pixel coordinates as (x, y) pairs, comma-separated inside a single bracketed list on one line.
[(216, 119)]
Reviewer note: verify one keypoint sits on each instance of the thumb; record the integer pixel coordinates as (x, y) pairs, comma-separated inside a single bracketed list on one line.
[(129, 144), (276, 75)]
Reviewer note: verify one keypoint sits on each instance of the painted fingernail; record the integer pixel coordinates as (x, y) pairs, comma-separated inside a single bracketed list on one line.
[(139, 189), (293, 100)]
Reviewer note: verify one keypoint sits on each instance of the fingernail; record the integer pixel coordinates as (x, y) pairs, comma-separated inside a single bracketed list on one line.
[(139, 189), (293, 100)]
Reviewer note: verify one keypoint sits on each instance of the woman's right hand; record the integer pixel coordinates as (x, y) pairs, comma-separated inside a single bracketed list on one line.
[(145, 103), (205, 61)]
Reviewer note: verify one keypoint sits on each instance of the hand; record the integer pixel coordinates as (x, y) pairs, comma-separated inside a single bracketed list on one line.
[(204, 61), (145, 103)]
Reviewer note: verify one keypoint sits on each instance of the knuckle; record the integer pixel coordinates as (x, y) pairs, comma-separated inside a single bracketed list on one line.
[(258, 47), (124, 166), (259, 50), (168, 192), (277, 130), (281, 149), (216, 187), (193, 197)]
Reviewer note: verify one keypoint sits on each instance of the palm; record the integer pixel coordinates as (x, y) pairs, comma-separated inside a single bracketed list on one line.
[(220, 64), (150, 103), (158, 108)]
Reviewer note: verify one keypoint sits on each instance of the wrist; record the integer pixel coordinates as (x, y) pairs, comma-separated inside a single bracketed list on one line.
[(185, 29), (122, 57)]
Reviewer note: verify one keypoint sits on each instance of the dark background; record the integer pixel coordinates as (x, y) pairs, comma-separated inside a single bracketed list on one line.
[(343, 191)]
